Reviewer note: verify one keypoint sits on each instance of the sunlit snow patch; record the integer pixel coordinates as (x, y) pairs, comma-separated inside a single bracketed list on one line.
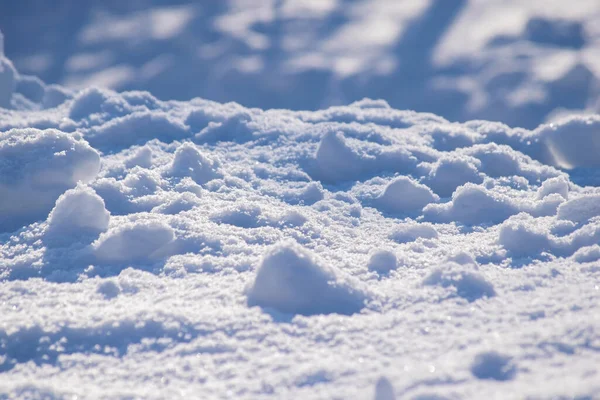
[(79, 215), (138, 241), (463, 280), (292, 280), (405, 196), (35, 168)]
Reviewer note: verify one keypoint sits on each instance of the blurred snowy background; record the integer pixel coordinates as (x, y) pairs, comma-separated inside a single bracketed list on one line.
[(519, 62)]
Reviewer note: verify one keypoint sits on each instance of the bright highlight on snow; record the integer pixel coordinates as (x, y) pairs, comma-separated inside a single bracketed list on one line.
[(195, 249)]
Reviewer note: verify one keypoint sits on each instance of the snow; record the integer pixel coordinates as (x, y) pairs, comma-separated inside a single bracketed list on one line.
[(572, 142), (520, 235), (503, 60), (36, 167), (493, 365), (559, 185), (405, 196), (462, 280), (7, 81), (78, 213), (580, 209), (188, 161), (382, 261), (384, 390), (138, 241), (472, 204), (448, 173), (332, 247), (409, 232), (291, 280)]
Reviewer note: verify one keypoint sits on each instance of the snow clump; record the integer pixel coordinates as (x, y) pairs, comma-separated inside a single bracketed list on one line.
[(405, 196), (79, 213), (292, 280), (37, 166), (139, 241), (382, 261), (463, 280)]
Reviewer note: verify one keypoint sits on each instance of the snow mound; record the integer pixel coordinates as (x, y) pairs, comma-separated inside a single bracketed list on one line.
[(521, 235), (559, 185), (189, 161), (55, 95), (234, 128), (336, 161), (471, 204), (462, 280), (141, 158), (138, 241), (109, 289), (35, 168), (178, 203), (493, 365), (135, 129), (405, 196), (462, 258), (580, 209), (79, 213), (572, 142), (587, 254), (100, 103), (292, 280), (142, 181), (240, 215), (450, 172), (382, 261), (409, 232)]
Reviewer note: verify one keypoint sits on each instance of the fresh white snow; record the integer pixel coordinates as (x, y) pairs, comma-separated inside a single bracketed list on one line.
[(520, 62), (195, 249)]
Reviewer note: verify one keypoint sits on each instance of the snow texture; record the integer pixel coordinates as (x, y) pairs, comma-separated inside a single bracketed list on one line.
[(382, 261), (139, 241), (195, 249), (36, 167), (291, 280), (405, 196), (79, 212), (522, 63)]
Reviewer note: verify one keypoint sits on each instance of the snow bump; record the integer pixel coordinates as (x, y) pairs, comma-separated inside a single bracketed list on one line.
[(573, 142), (580, 209), (382, 261), (139, 241), (79, 214), (405, 196), (409, 232), (463, 280), (471, 205), (292, 280), (189, 161), (35, 168)]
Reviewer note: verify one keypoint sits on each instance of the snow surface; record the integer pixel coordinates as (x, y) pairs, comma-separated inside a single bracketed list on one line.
[(519, 62), (194, 249)]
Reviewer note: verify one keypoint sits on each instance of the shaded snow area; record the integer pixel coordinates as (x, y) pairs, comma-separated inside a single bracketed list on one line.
[(168, 249), (521, 62)]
